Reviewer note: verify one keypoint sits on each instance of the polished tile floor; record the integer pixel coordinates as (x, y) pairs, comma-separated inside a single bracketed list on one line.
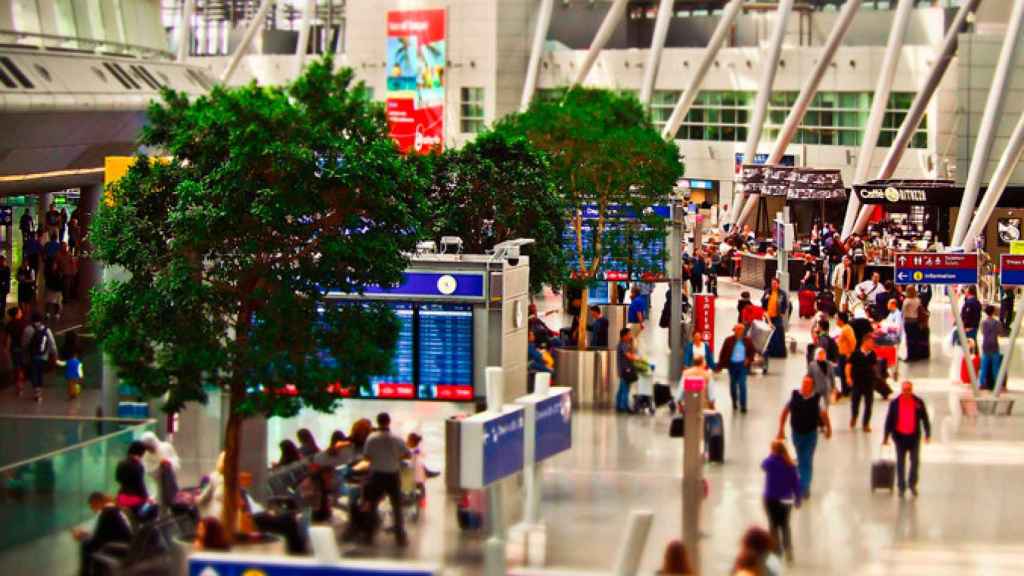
[(966, 521)]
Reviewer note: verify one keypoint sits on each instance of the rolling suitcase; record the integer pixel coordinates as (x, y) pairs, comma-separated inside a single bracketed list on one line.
[(662, 395), (761, 333), (883, 475), (806, 303), (714, 437)]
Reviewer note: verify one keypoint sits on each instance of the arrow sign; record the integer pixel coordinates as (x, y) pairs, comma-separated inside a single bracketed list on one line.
[(936, 268), (1011, 270)]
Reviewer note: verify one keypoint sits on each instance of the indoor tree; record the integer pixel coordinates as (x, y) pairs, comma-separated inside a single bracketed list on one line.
[(611, 166), (264, 199), (496, 188)]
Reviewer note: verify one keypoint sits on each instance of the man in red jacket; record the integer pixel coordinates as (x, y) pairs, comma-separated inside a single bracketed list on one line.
[(736, 355), (906, 418)]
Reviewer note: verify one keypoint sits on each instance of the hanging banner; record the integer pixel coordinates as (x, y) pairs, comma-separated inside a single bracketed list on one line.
[(909, 192), (416, 68), (704, 316)]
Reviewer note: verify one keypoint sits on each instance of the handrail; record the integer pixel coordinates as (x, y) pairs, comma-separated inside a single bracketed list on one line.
[(79, 445), (134, 49)]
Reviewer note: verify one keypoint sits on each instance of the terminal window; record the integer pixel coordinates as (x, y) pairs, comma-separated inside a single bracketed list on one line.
[(472, 108)]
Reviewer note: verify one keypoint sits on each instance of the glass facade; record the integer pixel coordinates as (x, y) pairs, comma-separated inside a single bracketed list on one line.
[(833, 118), (472, 110)]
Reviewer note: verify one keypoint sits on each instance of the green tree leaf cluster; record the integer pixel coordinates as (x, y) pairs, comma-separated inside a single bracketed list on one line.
[(495, 188), (268, 197), (604, 152)]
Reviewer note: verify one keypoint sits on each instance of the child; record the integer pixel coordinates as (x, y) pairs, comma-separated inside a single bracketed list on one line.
[(73, 375), (419, 468)]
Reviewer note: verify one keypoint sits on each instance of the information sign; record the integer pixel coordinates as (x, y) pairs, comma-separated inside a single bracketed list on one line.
[(936, 268), (213, 564), (1011, 270), (445, 352), (492, 447)]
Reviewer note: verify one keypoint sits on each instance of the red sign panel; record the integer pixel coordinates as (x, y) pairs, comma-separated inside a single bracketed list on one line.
[(385, 390), (453, 392), (704, 316), (416, 55), (924, 260)]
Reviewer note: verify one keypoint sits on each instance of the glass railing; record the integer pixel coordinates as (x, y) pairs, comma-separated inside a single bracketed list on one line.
[(50, 465)]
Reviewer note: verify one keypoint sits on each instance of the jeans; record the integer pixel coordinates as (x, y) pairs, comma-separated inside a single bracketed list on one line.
[(905, 445), (738, 384), (844, 386), (36, 369), (989, 370), (778, 521), (805, 445), (861, 391), (622, 396)]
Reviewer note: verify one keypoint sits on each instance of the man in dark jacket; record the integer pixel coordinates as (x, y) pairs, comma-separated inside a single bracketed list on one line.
[(906, 418), (598, 328), (970, 313), (736, 355)]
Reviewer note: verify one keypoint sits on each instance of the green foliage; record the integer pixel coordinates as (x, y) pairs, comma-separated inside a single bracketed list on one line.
[(270, 196), (604, 151), (496, 188)]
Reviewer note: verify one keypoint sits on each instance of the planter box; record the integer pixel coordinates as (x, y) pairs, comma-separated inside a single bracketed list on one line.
[(592, 375)]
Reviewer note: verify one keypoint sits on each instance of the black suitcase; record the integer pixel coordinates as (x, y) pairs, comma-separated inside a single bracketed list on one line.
[(677, 428), (662, 395), (883, 475), (714, 437)]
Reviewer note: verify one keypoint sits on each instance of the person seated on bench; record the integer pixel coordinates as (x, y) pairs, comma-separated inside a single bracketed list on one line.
[(112, 525)]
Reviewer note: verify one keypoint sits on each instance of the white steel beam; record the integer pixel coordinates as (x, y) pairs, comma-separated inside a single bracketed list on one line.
[(710, 52), (769, 66), (540, 35), (604, 33), (1007, 164), (665, 9), (254, 25), (308, 14), (917, 109), (989, 126), (185, 30), (807, 92), (890, 61)]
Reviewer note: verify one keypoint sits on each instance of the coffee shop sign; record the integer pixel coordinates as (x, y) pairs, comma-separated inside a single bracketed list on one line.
[(893, 194)]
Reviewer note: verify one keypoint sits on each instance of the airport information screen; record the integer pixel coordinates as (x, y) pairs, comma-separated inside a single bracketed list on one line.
[(433, 357)]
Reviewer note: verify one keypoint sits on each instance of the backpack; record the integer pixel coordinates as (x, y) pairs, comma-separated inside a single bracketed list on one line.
[(37, 347)]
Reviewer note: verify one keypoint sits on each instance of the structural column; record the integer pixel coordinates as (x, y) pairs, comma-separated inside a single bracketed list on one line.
[(988, 129), (254, 25), (710, 52), (308, 14), (665, 9), (917, 109), (890, 61), (1007, 164), (540, 35), (807, 92), (769, 66), (185, 30), (604, 33)]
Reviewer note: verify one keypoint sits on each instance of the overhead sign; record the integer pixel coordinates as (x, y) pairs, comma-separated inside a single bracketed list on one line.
[(592, 211), (909, 192), (416, 55), (492, 447), (1011, 270), (1017, 247), (935, 268), (216, 564), (761, 158), (432, 285)]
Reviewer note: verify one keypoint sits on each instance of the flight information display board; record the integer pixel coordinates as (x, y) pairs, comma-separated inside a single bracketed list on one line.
[(445, 353), (433, 356), (401, 381)]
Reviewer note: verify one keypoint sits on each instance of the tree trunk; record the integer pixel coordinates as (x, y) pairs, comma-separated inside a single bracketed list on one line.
[(232, 450), (584, 313)]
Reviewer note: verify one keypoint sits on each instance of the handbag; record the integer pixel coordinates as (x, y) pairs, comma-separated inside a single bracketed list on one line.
[(922, 318), (629, 373)]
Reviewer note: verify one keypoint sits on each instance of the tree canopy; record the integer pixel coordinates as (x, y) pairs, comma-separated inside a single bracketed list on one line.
[(267, 198), (495, 188)]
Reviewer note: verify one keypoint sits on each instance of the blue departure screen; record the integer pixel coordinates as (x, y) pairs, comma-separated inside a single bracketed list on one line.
[(446, 351), (400, 381)]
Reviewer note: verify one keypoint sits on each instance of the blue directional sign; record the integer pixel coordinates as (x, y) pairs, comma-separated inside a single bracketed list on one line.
[(553, 427), (432, 285), (207, 564), (492, 447), (935, 268), (1011, 270)]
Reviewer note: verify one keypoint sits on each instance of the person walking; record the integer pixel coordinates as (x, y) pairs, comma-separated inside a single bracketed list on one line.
[(915, 326), (5, 280), (27, 225), (39, 347), (775, 302), (736, 355), (822, 373), (970, 313), (861, 372), (636, 314), (990, 356), (697, 346), (385, 452), (904, 423), (847, 344), (781, 492), (625, 356), (806, 413)]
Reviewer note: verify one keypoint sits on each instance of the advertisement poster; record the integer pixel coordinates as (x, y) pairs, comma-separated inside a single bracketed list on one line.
[(704, 315), (415, 68)]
